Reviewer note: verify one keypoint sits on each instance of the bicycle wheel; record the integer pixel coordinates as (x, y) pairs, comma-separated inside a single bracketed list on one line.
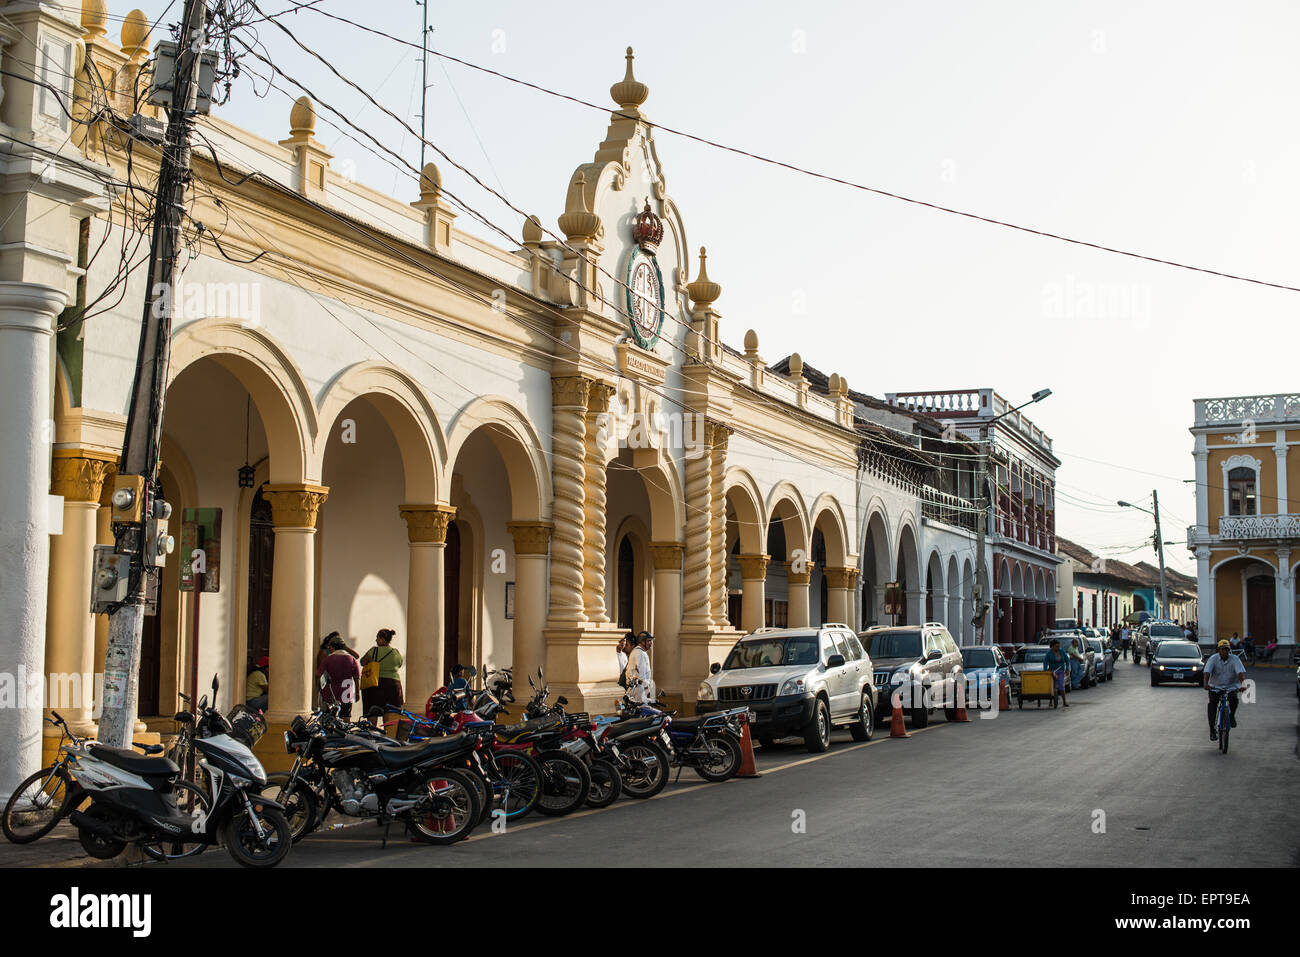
[(1224, 727), (519, 786), (37, 805), (190, 800)]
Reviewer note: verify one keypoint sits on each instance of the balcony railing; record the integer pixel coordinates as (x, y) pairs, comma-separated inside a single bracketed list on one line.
[(1281, 407), (1250, 527), (949, 509)]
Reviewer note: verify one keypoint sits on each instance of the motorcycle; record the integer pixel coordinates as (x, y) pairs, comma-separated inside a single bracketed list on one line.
[(361, 773), (588, 743), (709, 744), (142, 800)]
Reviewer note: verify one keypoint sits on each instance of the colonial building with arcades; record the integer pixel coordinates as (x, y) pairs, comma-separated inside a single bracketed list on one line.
[(510, 454)]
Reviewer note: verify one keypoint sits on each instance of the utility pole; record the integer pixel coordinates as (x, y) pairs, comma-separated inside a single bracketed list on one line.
[(981, 572), (1160, 548), (139, 516), (424, 79)]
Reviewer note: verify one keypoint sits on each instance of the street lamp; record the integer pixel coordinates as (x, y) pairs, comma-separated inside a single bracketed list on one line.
[(1160, 544), (981, 573)]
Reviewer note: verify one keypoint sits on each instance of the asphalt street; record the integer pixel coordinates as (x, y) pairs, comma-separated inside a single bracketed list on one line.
[(1125, 777)]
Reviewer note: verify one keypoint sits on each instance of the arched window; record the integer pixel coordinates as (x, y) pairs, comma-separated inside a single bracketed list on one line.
[(626, 583), (1241, 492)]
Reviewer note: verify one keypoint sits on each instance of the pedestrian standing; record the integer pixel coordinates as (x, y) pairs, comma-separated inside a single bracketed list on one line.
[(624, 646), (339, 676), (1125, 636), (256, 688), (640, 684), (1058, 663), (387, 691)]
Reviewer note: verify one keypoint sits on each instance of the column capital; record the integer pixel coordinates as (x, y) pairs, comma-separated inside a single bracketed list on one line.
[(531, 538), (667, 556), (598, 396), (570, 391), (841, 577), (79, 474), (427, 524), (754, 567), (718, 436), (295, 505), (799, 577)]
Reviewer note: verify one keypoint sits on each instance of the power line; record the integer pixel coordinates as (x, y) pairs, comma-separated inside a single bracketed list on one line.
[(815, 174)]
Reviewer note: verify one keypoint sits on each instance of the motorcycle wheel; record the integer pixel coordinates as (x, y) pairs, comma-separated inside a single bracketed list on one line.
[(250, 850), (299, 804), (606, 785), (722, 761), (645, 771), (98, 847), (566, 782), (190, 799), (520, 785), (37, 805), (453, 812)]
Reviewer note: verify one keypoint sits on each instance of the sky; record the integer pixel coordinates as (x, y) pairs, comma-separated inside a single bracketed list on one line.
[(1164, 128)]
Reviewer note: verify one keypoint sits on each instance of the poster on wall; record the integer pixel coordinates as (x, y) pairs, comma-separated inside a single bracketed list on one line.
[(201, 548), (510, 600)]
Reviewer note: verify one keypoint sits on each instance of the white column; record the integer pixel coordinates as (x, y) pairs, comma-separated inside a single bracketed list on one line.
[(27, 313), (753, 602), (1279, 450), (1245, 606), (1202, 456), (426, 535), (1283, 599), (1205, 629), (532, 545), (668, 618)]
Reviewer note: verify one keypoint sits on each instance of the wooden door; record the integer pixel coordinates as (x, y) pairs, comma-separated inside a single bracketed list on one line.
[(1261, 611), (261, 565), (451, 604)]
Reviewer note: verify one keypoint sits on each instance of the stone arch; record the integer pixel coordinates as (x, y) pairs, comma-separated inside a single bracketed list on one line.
[(663, 488), (271, 377), (936, 587), (786, 504), (747, 502), (909, 574), (638, 536), (875, 562), (519, 447), (952, 616), (1017, 581), (408, 414), (827, 516)]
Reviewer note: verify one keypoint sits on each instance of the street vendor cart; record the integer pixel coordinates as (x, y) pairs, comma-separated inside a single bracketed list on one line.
[(1036, 686)]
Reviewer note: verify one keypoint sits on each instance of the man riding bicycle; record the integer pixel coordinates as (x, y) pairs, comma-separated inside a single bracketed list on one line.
[(1224, 674)]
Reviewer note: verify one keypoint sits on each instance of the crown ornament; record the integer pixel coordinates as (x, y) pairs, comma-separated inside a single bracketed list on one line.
[(648, 230)]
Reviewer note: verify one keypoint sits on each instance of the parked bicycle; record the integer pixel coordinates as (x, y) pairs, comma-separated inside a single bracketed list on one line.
[(46, 797)]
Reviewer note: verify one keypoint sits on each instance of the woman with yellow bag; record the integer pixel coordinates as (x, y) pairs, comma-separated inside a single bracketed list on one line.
[(381, 684)]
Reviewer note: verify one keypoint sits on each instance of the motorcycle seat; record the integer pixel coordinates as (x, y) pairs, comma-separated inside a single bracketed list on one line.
[(404, 756), (133, 763), (511, 731), (631, 726), (686, 724)]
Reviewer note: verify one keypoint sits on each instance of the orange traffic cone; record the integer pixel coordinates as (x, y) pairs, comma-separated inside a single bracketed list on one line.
[(896, 729), (1004, 698), (747, 768), (961, 702)]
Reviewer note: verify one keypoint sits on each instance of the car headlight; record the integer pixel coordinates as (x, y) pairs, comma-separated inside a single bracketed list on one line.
[(705, 692), (1162, 667), (792, 686)]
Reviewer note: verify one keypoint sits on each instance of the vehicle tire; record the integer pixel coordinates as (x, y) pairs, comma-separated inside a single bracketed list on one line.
[(176, 850), (98, 847), (520, 786), (725, 757), (1223, 740), (606, 785), (920, 718), (565, 783), (249, 850), (646, 770), (453, 811), (483, 791), (37, 805), (299, 805), (817, 732), (863, 728)]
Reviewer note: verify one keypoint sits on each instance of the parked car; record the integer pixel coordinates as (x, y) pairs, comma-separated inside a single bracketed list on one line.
[(987, 672), (921, 663), (1083, 674), (1151, 633), (1103, 662), (1177, 661), (796, 681), (1064, 624)]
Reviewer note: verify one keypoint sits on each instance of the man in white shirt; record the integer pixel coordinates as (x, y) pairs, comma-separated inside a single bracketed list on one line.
[(1124, 636), (640, 684), (1224, 674)]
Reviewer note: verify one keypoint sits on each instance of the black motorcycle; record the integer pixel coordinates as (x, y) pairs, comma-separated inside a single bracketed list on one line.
[(360, 773), (709, 744), (143, 800)]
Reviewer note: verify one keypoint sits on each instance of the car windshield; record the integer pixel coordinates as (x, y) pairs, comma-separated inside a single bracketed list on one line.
[(1095, 644), (896, 643), (769, 652), (977, 658), (1032, 655), (1165, 631), (1179, 651)]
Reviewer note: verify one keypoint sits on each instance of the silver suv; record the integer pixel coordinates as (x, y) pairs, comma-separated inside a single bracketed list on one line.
[(921, 663), (796, 681)]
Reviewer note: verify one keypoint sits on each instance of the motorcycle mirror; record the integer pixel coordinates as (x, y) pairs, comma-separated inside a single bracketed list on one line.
[(539, 674), (714, 668), (215, 685), (471, 671), (530, 682), (561, 700)]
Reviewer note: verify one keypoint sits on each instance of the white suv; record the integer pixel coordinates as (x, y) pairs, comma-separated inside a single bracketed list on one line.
[(796, 681)]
